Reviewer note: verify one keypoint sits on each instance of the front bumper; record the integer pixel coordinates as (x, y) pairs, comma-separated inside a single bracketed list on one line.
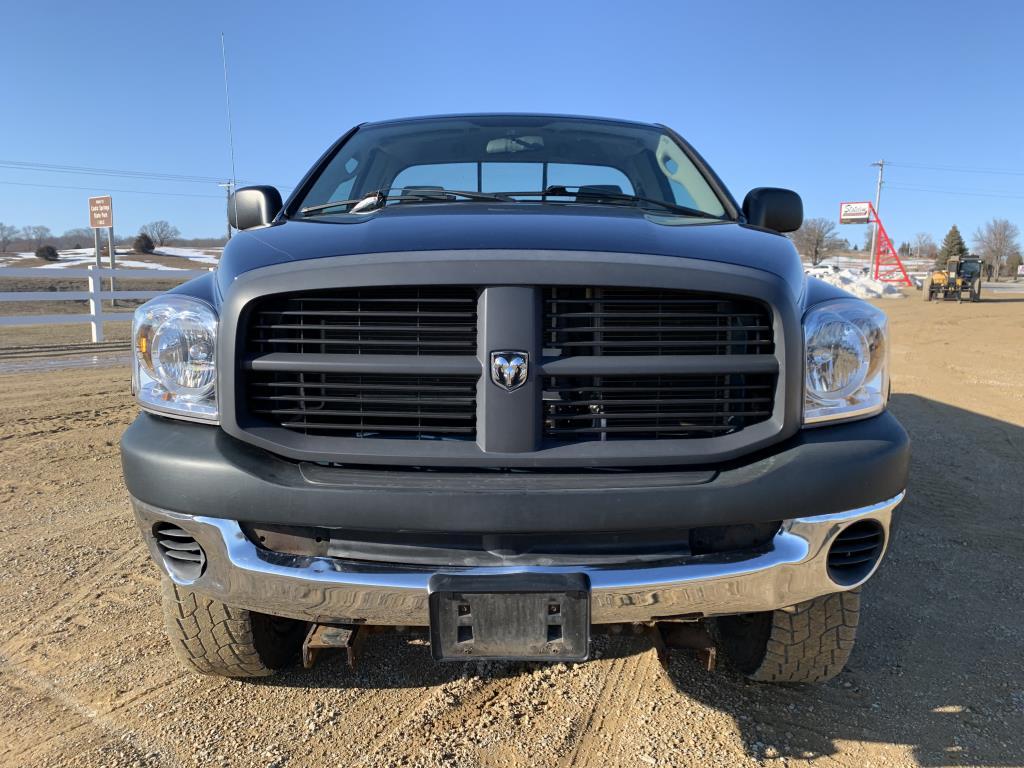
[(792, 569), (199, 469)]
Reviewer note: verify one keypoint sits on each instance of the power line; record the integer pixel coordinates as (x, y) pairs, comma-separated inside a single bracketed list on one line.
[(964, 192), (108, 189), (29, 166), (54, 168), (957, 169)]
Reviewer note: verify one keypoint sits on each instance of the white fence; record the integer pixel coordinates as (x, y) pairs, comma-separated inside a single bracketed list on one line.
[(95, 294)]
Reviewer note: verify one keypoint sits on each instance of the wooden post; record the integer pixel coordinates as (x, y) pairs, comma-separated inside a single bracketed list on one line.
[(95, 304)]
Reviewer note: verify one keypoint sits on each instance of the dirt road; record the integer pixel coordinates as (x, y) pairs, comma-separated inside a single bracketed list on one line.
[(87, 679)]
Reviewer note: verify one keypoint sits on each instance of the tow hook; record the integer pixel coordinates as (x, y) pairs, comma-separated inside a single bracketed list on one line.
[(693, 636), (332, 636)]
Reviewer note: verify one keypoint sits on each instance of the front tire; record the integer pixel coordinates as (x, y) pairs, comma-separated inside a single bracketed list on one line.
[(212, 638), (809, 642)]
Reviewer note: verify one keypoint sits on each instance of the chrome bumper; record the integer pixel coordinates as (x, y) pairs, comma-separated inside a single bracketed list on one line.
[(332, 590)]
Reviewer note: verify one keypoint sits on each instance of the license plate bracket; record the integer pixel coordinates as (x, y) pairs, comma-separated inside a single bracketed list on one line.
[(523, 617)]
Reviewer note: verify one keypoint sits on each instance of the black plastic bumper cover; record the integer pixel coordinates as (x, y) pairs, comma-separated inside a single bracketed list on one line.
[(198, 469)]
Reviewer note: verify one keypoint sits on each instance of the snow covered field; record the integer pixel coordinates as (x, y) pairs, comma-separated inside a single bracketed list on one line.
[(166, 258)]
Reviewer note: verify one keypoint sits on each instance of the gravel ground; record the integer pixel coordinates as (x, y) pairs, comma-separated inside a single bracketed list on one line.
[(937, 679)]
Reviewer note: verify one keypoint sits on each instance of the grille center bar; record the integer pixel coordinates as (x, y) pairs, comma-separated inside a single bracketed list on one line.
[(509, 318)]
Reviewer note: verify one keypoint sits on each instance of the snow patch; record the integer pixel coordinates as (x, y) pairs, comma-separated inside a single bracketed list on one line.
[(133, 264), (856, 282)]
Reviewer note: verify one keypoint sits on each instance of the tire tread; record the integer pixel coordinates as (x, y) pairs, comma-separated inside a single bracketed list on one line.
[(210, 637), (810, 642)]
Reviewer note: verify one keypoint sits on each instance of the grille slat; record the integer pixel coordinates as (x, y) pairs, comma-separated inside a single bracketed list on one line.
[(382, 429), (643, 343), (332, 341), (620, 415), (376, 400)]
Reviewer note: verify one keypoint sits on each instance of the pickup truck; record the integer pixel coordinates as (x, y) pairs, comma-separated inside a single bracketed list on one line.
[(513, 380)]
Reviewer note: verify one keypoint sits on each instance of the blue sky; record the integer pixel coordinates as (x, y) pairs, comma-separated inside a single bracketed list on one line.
[(796, 94)]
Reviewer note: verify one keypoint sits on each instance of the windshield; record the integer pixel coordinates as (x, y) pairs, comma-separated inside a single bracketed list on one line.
[(521, 158), (970, 268)]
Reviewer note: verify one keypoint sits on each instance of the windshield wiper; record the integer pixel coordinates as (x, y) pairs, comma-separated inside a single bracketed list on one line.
[(381, 197), (610, 198)]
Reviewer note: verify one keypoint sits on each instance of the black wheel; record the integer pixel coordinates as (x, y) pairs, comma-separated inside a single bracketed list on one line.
[(809, 642), (212, 638)]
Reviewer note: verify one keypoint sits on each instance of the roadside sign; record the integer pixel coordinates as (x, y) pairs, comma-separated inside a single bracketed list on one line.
[(854, 213), (101, 212)]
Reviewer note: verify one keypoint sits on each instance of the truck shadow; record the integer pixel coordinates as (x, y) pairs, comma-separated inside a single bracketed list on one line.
[(939, 661)]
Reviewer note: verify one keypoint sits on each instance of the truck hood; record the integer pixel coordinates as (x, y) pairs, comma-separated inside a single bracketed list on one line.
[(513, 226)]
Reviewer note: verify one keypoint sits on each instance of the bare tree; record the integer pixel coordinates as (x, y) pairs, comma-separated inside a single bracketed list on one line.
[(924, 247), (996, 243), (7, 235), (161, 232), (77, 238), (36, 235), (816, 238)]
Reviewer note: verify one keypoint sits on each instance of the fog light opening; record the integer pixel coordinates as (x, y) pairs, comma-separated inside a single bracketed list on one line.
[(855, 552), (183, 557)]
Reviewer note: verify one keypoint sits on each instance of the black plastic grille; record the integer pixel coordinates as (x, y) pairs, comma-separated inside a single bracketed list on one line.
[(855, 551), (579, 408), (650, 321), (387, 320), (382, 405)]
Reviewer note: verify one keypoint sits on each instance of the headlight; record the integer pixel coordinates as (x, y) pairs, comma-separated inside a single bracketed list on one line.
[(846, 367), (175, 373)]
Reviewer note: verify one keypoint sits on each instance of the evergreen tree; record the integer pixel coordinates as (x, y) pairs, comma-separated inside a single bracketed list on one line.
[(953, 247)]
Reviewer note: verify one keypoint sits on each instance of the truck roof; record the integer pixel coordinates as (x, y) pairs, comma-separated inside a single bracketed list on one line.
[(543, 115)]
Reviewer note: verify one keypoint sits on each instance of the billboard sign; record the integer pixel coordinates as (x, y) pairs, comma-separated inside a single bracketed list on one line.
[(854, 213)]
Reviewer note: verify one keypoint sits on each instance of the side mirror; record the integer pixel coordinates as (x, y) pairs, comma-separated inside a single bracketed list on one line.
[(774, 208), (253, 207)]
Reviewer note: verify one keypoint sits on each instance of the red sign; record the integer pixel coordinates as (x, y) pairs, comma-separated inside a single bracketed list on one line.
[(854, 213)]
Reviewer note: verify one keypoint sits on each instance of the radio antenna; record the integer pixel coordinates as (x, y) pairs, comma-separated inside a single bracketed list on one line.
[(231, 137)]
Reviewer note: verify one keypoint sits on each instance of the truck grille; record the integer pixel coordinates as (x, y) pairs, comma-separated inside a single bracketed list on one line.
[(420, 407), (654, 407), (403, 320), (646, 321), (412, 363)]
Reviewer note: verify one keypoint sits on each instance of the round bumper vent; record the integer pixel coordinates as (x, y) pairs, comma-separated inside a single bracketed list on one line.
[(183, 557), (855, 552)]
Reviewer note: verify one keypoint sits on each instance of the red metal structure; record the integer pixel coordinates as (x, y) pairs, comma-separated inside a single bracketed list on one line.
[(887, 266)]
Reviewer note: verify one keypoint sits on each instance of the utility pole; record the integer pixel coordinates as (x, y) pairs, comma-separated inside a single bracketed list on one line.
[(231, 133), (878, 199)]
